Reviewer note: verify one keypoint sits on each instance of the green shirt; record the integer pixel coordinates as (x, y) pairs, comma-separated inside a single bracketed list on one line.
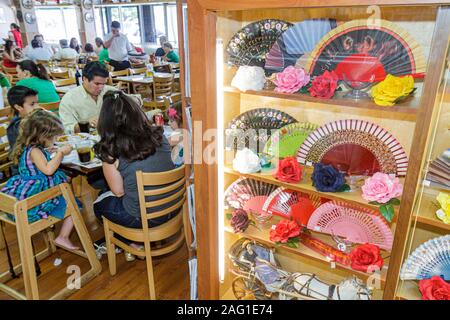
[(45, 88), (173, 57), (4, 82), (103, 56)]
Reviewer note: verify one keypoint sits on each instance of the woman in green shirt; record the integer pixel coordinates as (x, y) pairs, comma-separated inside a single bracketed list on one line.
[(171, 56), (35, 77), (4, 82)]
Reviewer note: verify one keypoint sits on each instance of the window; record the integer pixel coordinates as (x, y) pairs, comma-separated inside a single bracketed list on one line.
[(141, 23), (57, 23)]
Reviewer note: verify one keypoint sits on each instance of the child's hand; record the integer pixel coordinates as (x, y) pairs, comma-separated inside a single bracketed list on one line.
[(65, 150)]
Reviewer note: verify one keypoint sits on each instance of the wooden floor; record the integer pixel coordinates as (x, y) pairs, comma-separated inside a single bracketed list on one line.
[(171, 272)]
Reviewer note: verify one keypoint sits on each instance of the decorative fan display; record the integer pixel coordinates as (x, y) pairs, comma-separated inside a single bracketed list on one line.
[(292, 204), (248, 194), (253, 128), (249, 46), (356, 147), (355, 224), (286, 141), (364, 51), (431, 258), (295, 42)]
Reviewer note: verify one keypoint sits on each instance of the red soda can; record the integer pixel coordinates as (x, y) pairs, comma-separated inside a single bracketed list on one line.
[(159, 120)]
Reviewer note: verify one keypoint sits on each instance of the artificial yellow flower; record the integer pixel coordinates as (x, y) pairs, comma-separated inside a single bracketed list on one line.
[(444, 212), (390, 89)]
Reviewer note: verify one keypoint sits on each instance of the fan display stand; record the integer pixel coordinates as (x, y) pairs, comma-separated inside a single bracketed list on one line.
[(349, 131)]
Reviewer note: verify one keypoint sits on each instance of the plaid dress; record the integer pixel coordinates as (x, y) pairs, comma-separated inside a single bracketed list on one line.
[(31, 181)]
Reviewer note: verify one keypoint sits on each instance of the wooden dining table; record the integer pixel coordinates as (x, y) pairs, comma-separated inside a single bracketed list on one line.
[(142, 79), (64, 89)]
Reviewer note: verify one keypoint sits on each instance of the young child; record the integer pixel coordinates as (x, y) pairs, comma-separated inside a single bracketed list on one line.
[(38, 172), (22, 100), (174, 114)]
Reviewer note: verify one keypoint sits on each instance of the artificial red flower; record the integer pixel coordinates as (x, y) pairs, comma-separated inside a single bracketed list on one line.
[(284, 230), (434, 289), (239, 221), (289, 170), (325, 85), (366, 258)]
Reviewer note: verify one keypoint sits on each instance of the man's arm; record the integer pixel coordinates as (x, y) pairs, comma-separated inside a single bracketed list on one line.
[(107, 43)]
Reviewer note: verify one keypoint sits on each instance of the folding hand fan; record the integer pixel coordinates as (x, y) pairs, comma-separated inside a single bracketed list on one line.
[(356, 224), (249, 46), (295, 42), (292, 204), (431, 258), (366, 51), (252, 129), (356, 147), (286, 141), (248, 194)]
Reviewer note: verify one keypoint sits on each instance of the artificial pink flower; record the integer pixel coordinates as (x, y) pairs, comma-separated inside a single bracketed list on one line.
[(381, 188), (291, 80)]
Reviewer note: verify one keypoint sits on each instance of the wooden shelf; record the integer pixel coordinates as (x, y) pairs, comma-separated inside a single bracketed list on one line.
[(427, 214), (261, 234), (409, 290), (407, 110), (354, 197)]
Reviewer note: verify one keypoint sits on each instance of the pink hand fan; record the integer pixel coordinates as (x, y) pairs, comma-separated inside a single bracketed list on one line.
[(292, 204), (356, 147), (356, 224), (248, 194)]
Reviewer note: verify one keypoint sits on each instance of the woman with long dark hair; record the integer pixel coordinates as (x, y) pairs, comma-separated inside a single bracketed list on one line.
[(74, 45), (15, 34), (34, 76), (128, 143), (10, 55)]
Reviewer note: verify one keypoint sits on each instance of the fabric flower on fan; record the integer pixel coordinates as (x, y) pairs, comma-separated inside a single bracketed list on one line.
[(239, 221), (246, 161), (284, 230), (366, 258), (325, 85), (327, 179), (291, 80), (289, 170), (390, 90), (382, 190), (249, 78), (444, 201), (434, 289)]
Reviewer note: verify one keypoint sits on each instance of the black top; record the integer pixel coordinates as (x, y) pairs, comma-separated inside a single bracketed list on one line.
[(160, 52)]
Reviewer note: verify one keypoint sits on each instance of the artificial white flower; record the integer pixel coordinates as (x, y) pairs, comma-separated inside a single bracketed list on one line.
[(246, 161), (249, 78)]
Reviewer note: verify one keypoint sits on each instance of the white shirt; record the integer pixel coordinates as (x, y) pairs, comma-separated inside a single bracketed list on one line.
[(66, 53), (77, 105), (38, 54), (46, 46), (119, 48)]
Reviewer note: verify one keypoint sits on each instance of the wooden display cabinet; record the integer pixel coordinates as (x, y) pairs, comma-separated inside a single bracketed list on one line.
[(211, 25)]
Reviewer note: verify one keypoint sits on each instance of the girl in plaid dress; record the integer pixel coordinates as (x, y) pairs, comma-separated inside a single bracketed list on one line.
[(38, 171)]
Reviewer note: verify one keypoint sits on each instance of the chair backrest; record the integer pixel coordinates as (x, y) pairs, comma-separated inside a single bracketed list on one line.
[(43, 62), (60, 75), (68, 62), (164, 68), (169, 187), (137, 65), (64, 82), (138, 70), (5, 163), (6, 114), (162, 86), (162, 104), (52, 106), (9, 70)]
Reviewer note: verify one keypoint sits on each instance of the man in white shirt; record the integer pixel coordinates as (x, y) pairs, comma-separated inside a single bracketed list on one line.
[(65, 52), (118, 47), (43, 44), (37, 52), (84, 102)]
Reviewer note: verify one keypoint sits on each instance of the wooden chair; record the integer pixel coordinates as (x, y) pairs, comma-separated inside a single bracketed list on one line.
[(43, 62), (149, 104), (64, 82), (124, 86), (138, 71), (171, 231), (25, 230), (5, 163), (60, 75), (51, 106), (163, 87), (5, 115), (163, 68), (12, 72), (68, 63)]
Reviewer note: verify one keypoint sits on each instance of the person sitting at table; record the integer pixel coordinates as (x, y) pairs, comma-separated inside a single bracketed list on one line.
[(11, 55), (84, 102), (174, 113), (98, 45), (23, 101), (160, 51), (39, 172), (170, 56), (89, 50), (37, 52), (65, 52), (34, 76), (128, 143), (74, 45)]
